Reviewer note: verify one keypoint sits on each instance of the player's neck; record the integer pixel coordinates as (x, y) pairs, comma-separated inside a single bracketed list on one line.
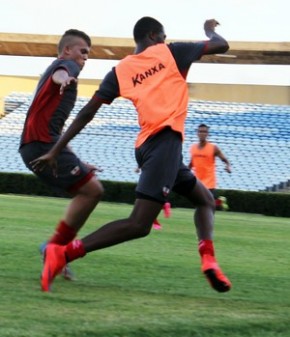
[(143, 45), (202, 143)]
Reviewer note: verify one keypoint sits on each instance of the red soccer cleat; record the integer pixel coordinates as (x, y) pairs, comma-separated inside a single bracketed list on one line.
[(214, 275), (66, 272), (157, 226), (53, 263)]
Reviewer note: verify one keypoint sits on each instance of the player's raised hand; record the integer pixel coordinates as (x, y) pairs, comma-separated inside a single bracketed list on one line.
[(41, 162), (216, 44), (210, 24)]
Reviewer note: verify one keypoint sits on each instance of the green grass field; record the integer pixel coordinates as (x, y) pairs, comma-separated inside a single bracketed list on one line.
[(150, 287)]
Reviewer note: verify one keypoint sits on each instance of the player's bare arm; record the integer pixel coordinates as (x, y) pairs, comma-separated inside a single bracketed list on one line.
[(62, 78), (216, 44), (218, 153)]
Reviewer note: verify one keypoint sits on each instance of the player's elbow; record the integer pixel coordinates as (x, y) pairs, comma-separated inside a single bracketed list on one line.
[(217, 47), (224, 47)]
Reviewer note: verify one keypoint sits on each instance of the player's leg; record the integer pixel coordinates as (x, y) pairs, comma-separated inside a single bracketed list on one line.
[(157, 175), (75, 178), (204, 222), (83, 203), (137, 225), (86, 192), (203, 201), (218, 203)]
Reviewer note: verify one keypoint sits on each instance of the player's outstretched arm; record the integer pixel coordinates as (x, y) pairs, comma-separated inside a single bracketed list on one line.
[(62, 78), (216, 44)]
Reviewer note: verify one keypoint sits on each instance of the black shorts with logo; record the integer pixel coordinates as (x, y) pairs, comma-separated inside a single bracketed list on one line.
[(162, 169), (71, 172)]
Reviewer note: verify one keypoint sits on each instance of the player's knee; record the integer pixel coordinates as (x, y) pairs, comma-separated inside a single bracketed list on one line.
[(211, 201), (145, 230), (208, 200), (141, 229), (95, 191), (98, 192)]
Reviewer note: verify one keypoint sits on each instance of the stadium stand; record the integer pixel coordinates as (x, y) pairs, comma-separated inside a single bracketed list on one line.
[(255, 138)]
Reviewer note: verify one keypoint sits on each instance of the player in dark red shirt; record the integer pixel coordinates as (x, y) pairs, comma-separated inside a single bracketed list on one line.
[(51, 105), (153, 78)]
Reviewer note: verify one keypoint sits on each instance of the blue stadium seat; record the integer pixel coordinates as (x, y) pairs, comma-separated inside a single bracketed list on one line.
[(255, 138)]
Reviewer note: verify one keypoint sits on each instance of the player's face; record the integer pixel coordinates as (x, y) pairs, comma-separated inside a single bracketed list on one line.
[(79, 52), (202, 133)]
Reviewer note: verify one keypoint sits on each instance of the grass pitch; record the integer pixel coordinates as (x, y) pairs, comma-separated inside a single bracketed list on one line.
[(150, 287)]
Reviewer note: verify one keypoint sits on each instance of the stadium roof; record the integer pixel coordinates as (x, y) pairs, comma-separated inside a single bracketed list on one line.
[(117, 48)]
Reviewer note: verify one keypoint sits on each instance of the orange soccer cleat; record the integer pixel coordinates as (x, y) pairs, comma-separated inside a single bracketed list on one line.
[(214, 275), (66, 271), (53, 263)]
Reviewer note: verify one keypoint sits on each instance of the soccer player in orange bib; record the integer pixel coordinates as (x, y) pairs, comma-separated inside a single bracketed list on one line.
[(154, 79), (202, 162)]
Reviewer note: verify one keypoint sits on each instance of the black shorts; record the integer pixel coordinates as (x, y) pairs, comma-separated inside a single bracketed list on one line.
[(71, 172), (162, 169)]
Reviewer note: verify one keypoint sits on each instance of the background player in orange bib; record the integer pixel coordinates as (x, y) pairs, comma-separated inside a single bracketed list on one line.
[(203, 163)]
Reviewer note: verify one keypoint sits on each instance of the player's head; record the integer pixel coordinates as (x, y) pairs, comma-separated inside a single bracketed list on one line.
[(74, 45), (70, 37), (148, 27), (202, 131)]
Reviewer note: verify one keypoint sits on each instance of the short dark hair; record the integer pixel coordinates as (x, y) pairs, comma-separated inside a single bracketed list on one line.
[(69, 35), (144, 26), (203, 126)]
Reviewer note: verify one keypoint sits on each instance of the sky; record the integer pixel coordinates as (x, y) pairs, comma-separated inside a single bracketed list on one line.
[(240, 20)]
